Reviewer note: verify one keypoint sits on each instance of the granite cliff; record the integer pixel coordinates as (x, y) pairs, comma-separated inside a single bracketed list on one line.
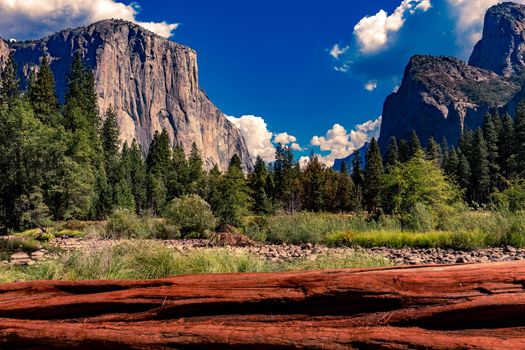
[(439, 96), (150, 81)]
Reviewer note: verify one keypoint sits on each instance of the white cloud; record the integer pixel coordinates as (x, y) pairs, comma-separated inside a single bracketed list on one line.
[(296, 147), (259, 139), (469, 19), (371, 85), (339, 143), (257, 136), (284, 138), (31, 19), (373, 33), (337, 51), (424, 5), (303, 161)]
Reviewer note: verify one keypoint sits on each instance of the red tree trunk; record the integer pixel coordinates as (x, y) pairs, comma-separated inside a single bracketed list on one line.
[(435, 307)]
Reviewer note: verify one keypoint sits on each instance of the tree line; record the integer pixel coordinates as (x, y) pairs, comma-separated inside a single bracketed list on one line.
[(65, 161)]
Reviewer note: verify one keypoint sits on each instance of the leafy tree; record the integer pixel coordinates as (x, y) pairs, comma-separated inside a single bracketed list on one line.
[(33, 211), (191, 215), (373, 177), (418, 182), (343, 169)]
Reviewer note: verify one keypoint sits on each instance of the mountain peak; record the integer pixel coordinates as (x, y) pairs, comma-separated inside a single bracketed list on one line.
[(502, 46)]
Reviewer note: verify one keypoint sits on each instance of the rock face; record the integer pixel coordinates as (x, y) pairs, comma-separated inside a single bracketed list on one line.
[(439, 96), (446, 307), (502, 47), (151, 82)]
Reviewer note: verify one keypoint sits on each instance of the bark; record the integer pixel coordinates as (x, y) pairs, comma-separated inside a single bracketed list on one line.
[(435, 307)]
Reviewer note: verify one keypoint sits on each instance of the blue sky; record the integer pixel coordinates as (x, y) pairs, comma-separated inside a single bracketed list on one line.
[(272, 59)]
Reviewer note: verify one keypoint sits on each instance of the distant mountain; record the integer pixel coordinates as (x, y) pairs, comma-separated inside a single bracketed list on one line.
[(150, 81), (349, 161), (439, 96)]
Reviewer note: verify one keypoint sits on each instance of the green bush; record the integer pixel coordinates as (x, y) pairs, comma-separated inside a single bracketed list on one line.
[(191, 215), (420, 219), (512, 199), (125, 224)]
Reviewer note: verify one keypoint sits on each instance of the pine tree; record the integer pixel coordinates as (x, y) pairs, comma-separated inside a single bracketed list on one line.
[(137, 174), (313, 182), (446, 153), (357, 169), (433, 152), (392, 154), (235, 198), (257, 183), (480, 169), (159, 154), (195, 171), (343, 169), (490, 134), (41, 94), (519, 139), (404, 151), (81, 94), (452, 165), (463, 172), (285, 174), (179, 179), (157, 164), (9, 83), (109, 135), (506, 146), (373, 176), (414, 145)]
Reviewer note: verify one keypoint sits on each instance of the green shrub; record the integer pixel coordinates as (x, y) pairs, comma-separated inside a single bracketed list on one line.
[(420, 219), (191, 215), (124, 224), (512, 199)]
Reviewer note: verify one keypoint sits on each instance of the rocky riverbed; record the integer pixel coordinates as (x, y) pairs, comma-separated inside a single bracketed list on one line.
[(288, 252)]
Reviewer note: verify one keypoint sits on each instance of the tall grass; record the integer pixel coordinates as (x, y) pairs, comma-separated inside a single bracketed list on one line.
[(459, 230), (134, 260), (308, 227)]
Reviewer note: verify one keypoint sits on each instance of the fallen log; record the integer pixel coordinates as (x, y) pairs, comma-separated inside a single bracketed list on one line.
[(434, 307)]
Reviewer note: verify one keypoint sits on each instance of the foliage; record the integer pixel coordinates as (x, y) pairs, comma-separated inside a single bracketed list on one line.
[(125, 224), (191, 215)]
